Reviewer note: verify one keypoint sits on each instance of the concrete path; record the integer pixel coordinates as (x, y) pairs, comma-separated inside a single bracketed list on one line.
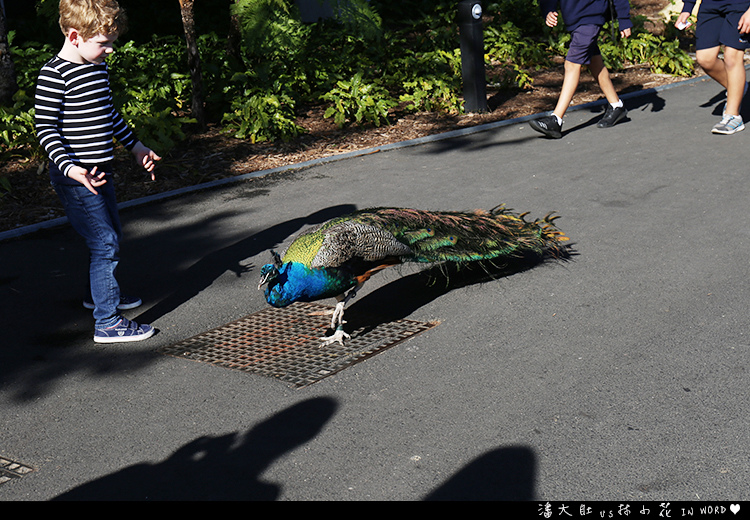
[(620, 375)]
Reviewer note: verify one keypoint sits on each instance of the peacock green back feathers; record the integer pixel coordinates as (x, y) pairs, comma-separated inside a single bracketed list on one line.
[(426, 236)]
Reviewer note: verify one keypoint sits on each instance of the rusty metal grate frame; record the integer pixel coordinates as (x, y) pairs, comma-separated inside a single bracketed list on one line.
[(284, 344), (10, 470)]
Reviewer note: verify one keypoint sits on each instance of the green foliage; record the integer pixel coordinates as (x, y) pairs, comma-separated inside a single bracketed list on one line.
[(357, 17), (513, 77), (507, 44), (267, 27), (435, 64), (152, 108), (28, 58), (672, 33), (662, 55), (262, 116), (431, 95), (524, 14), (373, 56), (17, 133), (356, 100)]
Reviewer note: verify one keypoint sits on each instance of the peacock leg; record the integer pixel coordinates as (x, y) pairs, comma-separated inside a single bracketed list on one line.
[(337, 321)]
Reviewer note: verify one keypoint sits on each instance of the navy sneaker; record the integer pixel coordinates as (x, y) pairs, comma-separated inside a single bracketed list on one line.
[(124, 330), (548, 126), (126, 302)]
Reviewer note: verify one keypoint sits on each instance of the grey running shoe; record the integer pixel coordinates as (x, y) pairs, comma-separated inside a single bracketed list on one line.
[(728, 125)]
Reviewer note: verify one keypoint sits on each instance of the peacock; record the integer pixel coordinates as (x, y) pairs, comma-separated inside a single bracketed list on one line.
[(334, 259)]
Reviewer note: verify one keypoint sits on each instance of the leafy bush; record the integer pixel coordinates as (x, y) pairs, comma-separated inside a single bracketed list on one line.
[(359, 64), (356, 100), (513, 77), (662, 55), (431, 95), (151, 106), (17, 133), (506, 43), (262, 116)]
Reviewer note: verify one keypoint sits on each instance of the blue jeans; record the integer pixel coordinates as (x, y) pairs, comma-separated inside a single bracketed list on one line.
[(95, 218)]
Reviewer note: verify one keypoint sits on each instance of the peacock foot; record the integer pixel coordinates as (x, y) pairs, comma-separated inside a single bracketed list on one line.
[(337, 337)]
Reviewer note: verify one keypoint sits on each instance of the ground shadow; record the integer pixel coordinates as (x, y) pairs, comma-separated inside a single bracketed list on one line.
[(399, 299), (640, 101), (48, 332), (503, 474), (203, 273), (227, 467), (719, 102)]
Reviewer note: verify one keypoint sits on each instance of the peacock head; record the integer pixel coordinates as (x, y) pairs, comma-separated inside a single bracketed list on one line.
[(275, 277), (269, 272)]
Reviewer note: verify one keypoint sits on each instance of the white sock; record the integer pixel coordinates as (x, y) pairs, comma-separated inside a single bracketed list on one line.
[(559, 119), (618, 104)]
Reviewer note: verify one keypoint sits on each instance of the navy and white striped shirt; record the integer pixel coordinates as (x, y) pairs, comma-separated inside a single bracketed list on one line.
[(76, 120)]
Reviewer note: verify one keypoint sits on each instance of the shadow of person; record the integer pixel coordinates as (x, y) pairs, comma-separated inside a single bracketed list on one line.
[(227, 467), (204, 272), (502, 474), (634, 100)]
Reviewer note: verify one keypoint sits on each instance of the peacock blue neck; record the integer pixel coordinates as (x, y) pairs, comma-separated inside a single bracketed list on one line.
[(299, 283)]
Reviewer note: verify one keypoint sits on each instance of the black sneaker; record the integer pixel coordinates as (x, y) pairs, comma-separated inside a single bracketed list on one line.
[(612, 116), (547, 125)]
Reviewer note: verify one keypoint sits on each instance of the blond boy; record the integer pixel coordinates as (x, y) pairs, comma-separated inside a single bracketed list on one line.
[(76, 123)]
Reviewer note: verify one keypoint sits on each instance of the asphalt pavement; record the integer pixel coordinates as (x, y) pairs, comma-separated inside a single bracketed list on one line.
[(618, 375)]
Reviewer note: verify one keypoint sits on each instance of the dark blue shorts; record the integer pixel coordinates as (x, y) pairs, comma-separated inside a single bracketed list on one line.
[(717, 25), (583, 44)]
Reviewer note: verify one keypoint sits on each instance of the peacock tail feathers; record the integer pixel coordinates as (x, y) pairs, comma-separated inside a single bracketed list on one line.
[(426, 236), (341, 254)]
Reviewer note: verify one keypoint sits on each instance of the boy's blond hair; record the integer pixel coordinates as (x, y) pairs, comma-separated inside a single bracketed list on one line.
[(92, 17)]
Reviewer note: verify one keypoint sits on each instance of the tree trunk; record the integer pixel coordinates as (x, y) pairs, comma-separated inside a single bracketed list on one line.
[(8, 84), (194, 62), (233, 38)]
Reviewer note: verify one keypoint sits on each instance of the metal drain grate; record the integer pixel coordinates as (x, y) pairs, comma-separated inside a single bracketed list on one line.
[(284, 343), (10, 470)]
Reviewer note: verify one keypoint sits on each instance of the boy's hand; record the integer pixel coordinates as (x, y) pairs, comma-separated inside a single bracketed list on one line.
[(145, 157), (682, 20), (90, 179), (551, 19), (744, 26), (625, 33)]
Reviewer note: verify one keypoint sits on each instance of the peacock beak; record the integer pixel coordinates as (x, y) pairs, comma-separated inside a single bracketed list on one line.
[(267, 273)]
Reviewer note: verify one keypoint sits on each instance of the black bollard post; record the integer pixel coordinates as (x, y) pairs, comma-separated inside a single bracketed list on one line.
[(472, 55)]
